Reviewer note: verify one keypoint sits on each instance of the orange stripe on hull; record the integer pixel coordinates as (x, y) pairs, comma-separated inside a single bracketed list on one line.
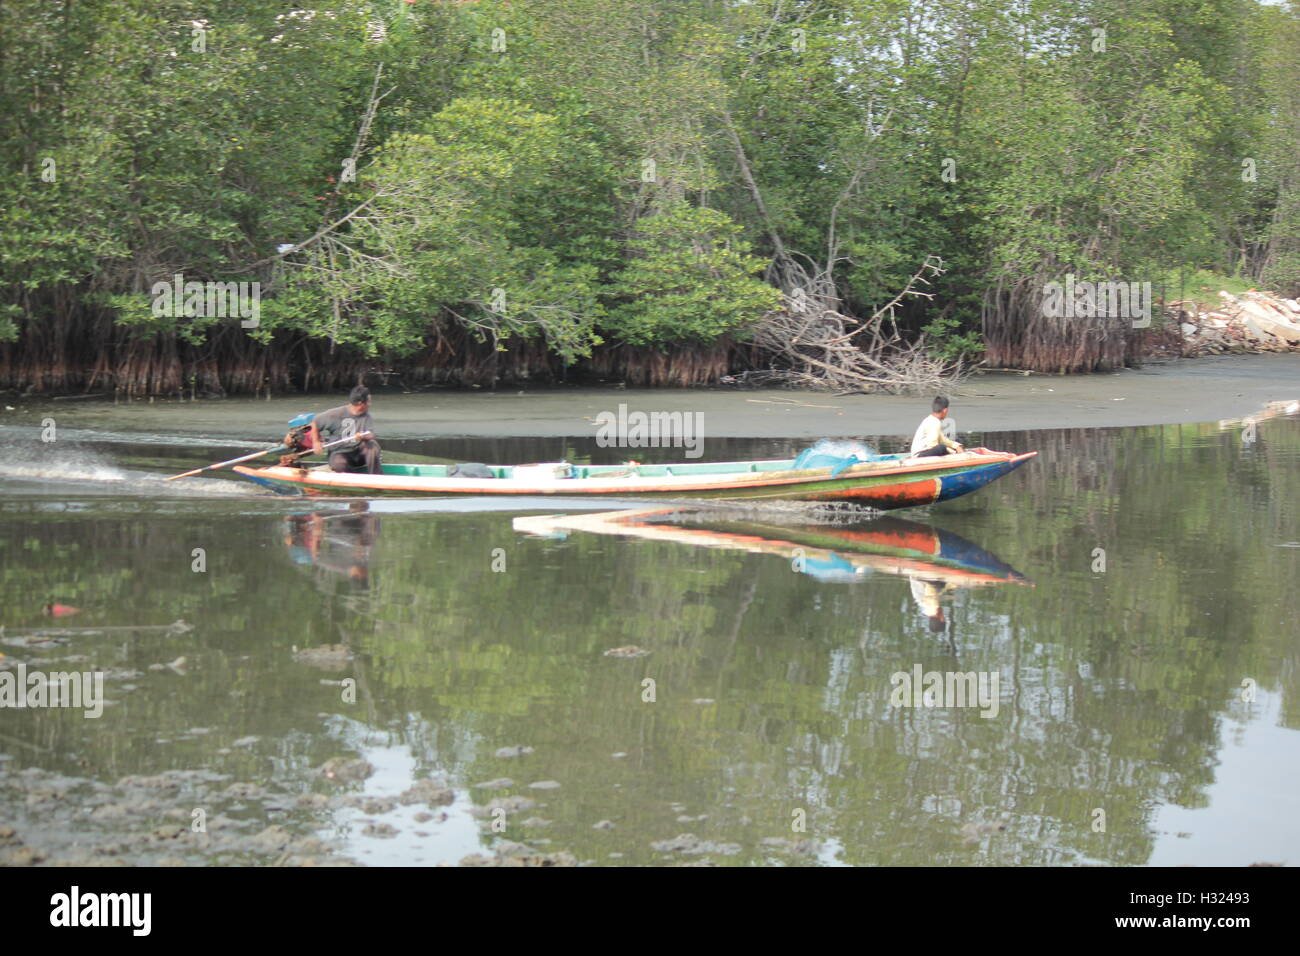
[(907, 495)]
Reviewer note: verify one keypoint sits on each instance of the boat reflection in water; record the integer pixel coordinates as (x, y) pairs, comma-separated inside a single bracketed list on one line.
[(935, 562), (337, 544)]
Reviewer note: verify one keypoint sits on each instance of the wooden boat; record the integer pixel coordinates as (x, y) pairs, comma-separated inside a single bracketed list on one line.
[(884, 482)]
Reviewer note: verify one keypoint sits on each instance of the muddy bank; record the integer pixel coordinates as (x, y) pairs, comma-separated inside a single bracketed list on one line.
[(1197, 390)]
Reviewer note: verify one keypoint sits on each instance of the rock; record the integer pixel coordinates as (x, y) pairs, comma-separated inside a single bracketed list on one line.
[(374, 806), (510, 848), (343, 768), (500, 783), (381, 830), (160, 782), (1267, 305), (246, 791), (509, 804), (1273, 321), (509, 853), (544, 785), (974, 832), (603, 825), (271, 840), (517, 751), (691, 844), (799, 847), (545, 859), (22, 856), (1256, 331), (309, 846), (428, 792)]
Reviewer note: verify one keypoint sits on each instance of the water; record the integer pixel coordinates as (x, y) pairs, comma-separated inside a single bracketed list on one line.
[(1133, 590)]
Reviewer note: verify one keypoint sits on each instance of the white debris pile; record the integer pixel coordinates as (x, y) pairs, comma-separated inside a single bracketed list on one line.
[(1251, 322)]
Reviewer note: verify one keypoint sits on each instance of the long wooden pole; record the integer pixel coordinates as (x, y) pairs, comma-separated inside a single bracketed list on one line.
[(257, 454)]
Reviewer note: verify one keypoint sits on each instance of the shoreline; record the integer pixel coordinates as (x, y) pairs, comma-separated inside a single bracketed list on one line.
[(1180, 392)]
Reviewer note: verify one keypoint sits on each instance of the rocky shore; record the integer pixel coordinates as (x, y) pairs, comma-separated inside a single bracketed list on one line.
[(1252, 322)]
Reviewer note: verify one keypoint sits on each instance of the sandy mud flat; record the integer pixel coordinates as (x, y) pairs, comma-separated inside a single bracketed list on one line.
[(1175, 393)]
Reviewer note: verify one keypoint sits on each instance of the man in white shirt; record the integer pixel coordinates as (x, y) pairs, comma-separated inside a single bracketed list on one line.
[(935, 435)]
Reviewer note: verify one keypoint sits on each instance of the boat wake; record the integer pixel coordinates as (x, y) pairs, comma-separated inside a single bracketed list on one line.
[(67, 469), (80, 466)]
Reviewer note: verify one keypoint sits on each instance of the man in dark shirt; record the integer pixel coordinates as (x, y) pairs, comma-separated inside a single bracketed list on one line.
[(360, 455)]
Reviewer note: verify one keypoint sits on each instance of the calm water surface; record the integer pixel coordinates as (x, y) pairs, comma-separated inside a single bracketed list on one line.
[(1133, 591)]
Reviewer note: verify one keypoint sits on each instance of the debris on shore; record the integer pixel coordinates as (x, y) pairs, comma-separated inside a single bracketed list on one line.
[(1251, 322)]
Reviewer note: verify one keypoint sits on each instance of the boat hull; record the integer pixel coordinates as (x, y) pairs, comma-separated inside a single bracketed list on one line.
[(889, 483)]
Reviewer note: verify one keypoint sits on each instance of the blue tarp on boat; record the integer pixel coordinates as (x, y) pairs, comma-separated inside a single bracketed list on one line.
[(835, 455)]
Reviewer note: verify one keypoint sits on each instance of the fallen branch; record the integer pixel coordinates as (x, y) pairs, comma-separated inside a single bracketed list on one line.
[(815, 346)]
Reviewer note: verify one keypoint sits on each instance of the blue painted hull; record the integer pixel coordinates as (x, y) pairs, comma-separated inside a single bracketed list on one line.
[(954, 486)]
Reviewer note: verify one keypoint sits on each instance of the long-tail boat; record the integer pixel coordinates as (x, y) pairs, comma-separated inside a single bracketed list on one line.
[(884, 482)]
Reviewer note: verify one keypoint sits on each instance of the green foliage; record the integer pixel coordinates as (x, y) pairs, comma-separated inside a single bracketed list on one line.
[(945, 339), (624, 169), (437, 240), (1203, 286), (690, 279)]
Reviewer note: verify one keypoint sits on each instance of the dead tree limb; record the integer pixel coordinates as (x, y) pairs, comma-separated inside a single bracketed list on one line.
[(814, 346)]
